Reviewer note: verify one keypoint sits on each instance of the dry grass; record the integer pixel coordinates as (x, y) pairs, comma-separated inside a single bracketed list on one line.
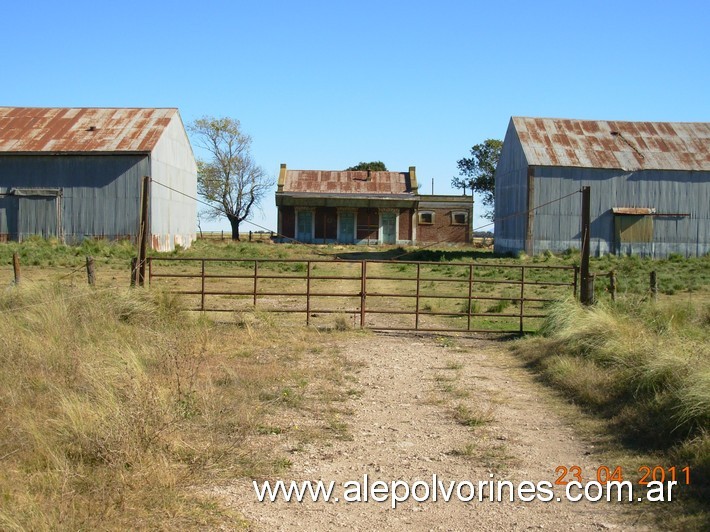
[(115, 408), (645, 367)]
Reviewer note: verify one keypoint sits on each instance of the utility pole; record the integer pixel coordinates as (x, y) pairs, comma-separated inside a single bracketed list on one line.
[(586, 295), (139, 271), (473, 201)]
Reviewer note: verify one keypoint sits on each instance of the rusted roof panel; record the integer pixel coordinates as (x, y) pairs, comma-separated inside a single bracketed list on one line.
[(347, 182), (613, 144), (81, 130)]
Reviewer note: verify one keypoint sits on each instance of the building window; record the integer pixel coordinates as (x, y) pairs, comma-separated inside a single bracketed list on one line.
[(426, 217), (459, 218)]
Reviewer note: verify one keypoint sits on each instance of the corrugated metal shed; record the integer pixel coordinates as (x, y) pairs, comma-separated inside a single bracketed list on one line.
[(650, 184), (615, 144), (347, 182), (94, 161), (81, 130)]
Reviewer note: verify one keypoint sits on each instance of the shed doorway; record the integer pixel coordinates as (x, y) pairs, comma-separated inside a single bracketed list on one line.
[(26, 212)]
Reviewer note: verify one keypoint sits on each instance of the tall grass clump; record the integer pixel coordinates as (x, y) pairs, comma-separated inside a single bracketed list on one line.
[(115, 408), (645, 367)]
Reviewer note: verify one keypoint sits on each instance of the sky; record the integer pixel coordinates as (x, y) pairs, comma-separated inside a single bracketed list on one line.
[(325, 85)]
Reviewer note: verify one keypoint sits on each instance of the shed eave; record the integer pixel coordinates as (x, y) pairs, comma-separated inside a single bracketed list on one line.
[(47, 153)]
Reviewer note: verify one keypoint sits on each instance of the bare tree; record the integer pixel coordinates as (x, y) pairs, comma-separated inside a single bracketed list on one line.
[(230, 182)]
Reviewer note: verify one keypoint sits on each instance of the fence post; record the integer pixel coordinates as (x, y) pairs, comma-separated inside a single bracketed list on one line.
[(416, 310), (363, 289), (586, 227), (16, 268), (576, 281), (654, 286), (256, 275), (249, 236), (90, 270), (308, 293), (612, 285), (134, 271), (202, 288), (589, 298), (522, 297)]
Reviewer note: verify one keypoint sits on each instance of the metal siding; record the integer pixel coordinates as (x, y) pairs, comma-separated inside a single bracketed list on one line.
[(557, 226), (9, 207), (173, 215), (100, 192), (510, 195), (38, 215)]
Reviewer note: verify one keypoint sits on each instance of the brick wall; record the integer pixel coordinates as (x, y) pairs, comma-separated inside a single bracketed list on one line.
[(288, 221), (405, 224), (443, 228)]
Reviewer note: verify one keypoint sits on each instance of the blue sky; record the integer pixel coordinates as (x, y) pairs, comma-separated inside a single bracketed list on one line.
[(324, 85)]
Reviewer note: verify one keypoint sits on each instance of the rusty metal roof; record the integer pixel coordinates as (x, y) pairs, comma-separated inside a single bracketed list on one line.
[(614, 144), (347, 182), (80, 130)]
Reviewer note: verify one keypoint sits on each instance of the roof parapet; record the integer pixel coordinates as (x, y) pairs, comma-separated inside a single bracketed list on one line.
[(282, 178), (413, 179)]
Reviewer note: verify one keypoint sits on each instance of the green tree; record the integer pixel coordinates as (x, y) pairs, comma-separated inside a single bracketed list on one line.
[(229, 181), (477, 172), (374, 166)]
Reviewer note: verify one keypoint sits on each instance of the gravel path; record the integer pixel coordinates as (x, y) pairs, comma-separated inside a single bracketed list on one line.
[(404, 427)]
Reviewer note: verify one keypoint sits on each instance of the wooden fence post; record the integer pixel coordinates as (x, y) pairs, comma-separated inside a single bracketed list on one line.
[(90, 270), (134, 271), (16, 267), (586, 281), (576, 281), (654, 286), (249, 236), (612, 285)]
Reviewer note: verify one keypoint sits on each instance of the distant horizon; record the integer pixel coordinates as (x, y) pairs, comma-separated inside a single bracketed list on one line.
[(325, 86)]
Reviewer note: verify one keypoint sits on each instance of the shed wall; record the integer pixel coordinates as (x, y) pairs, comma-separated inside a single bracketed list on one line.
[(557, 226), (100, 194), (511, 195), (173, 217)]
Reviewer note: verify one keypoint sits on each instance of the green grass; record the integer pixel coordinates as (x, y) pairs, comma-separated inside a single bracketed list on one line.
[(679, 278)]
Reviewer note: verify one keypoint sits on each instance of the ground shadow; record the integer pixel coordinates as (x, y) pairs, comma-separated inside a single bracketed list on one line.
[(427, 255)]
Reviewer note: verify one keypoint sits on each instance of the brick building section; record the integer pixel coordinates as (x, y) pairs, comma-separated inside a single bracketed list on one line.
[(288, 222), (319, 206), (405, 224), (444, 227)]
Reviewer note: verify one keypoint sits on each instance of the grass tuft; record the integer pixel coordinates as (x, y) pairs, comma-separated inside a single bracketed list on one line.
[(115, 408), (645, 367)]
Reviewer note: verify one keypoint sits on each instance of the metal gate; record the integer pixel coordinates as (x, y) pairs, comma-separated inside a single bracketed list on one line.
[(380, 295)]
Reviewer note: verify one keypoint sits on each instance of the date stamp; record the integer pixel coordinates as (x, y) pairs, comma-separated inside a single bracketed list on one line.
[(604, 474)]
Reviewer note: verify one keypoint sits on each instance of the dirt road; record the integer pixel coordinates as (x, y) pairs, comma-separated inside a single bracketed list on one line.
[(463, 409)]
